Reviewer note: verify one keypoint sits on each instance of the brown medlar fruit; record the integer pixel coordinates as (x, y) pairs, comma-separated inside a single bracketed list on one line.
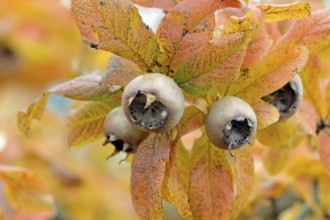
[(230, 123), (153, 102), (121, 133), (287, 98)]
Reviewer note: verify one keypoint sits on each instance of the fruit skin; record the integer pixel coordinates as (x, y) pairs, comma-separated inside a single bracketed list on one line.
[(296, 85), (164, 90), (117, 126), (220, 117)]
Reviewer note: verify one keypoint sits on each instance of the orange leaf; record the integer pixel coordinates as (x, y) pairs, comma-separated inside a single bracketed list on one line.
[(197, 101), (323, 143), (242, 163), (313, 32), (25, 190), (148, 171), (305, 118), (186, 28), (271, 74), (120, 71), (259, 45), (211, 184), (281, 12), (266, 113), (217, 64), (121, 32), (85, 124)]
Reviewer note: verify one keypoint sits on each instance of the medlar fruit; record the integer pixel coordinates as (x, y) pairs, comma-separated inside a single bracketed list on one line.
[(121, 133), (230, 123), (287, 98), (153, 102)]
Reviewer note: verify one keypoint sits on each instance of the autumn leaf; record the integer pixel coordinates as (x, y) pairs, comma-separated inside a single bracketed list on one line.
[(120, 71), (305, 118), (185, 29), (197, 101), (87, 88), (192, 119), (266, 114), (323, 143), (25, 190), (260, 43), (242, 162), (215, 65), (211, 182), (85, 124), (278, 68), (121, 32), (279, 135), (281, 12), (179, 181), (274, 159), (312, 32), (148, 171), (164, 4)]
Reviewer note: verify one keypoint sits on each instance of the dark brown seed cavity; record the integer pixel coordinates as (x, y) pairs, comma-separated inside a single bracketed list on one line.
[(238, 132)]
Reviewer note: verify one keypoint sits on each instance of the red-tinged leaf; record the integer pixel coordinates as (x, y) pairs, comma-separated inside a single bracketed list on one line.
[(34, 111), (192, 119), (313, 32), (164, 4), (305, 118), (211, 182), (266, 113), (278, 68), (179, 181), (148, 171), (216, 65), (85, 124), (259, 45), (274, 159), (186, 28), (87, 88), (120, 71), (121, 32), (242, 162), (282, 12), (25, 190), (323, 143)]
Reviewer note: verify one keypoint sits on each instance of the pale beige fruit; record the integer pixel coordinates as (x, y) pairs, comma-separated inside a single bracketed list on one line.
[(230, 123), (153, 102), (287, 99), (121, 133)]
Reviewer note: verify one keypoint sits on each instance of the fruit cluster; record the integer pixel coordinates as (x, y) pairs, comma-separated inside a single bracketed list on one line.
[(153, 102)]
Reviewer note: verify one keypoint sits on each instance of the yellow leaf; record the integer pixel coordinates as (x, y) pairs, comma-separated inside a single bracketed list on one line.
[(148, 171), (281, 12), (279, 135), (121, 32), (323, 144), (211, 182), (25, 190), (243, 165), (271, 74), (164, 4), (85, 124), (179, 181), (274, 159)]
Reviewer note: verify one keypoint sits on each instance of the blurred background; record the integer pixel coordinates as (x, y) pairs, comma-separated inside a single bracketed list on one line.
[(40, 46)]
